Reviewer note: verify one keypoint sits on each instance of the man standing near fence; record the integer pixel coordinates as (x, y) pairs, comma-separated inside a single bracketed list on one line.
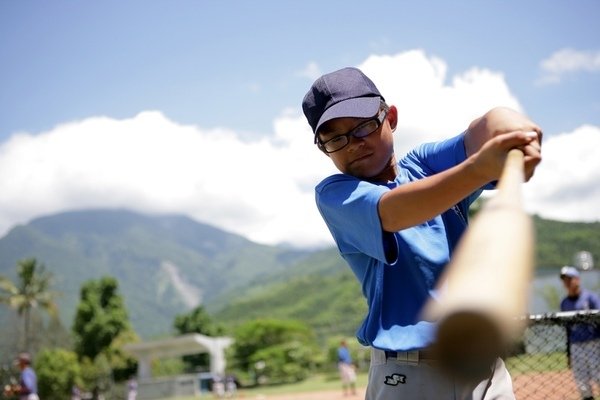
[(583, 339)]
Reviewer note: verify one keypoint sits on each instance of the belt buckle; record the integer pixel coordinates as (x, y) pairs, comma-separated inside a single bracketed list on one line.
[(411, 356)]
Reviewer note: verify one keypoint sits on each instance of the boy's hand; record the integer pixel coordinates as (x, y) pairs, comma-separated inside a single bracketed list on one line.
[(489, 160), (497, 123), (533, 154)]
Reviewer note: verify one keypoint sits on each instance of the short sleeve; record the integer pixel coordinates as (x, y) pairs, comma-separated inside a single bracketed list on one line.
[(349, 207)]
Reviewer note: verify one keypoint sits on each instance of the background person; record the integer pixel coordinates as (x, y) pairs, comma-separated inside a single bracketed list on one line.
[(396, 222), (583, 340), (26, 389), (132, 388), (346, 369)]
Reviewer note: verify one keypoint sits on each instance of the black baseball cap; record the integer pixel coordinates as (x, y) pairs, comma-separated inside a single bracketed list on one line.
[(347, 92)]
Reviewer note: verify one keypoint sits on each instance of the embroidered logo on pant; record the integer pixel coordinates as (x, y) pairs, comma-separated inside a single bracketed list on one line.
[(395, 379)]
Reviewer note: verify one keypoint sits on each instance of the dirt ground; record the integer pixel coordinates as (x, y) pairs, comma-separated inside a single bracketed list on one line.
[(325, 395), (548, 385)]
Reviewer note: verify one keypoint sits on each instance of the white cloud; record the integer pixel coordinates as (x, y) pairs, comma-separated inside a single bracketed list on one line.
[(263, 189), (430, 105), (566, 185), (567, 61)]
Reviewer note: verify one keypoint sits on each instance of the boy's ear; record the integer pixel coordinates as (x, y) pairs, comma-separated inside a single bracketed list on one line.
[(392, 117)]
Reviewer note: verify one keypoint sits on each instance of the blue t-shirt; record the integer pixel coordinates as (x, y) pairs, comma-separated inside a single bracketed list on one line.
[(344, 355), (585, 301), (29, 380), (398, 271)]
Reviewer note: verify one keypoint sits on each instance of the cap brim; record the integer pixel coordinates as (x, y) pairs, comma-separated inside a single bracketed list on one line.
[(358, 107), (569, 275)]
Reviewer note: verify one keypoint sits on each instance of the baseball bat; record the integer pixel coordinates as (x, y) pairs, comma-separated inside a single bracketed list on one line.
[(485, 286)]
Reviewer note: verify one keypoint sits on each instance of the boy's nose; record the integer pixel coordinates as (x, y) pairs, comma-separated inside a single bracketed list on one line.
[(355, 143)]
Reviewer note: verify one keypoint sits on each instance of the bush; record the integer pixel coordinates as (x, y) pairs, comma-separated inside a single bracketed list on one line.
[(285, 363), (58, 371), (274, 351)]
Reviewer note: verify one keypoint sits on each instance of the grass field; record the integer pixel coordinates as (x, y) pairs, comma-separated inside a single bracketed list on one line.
[(317, 383)]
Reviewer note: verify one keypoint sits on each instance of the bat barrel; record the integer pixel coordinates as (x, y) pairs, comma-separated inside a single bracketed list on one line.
[(485, 286)]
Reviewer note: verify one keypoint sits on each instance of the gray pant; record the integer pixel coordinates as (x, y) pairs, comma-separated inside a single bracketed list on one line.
[(413, 379)]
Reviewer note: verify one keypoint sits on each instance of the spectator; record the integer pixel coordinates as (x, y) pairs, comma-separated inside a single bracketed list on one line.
[(346, 369), (583, 339), (26, 389), (132, 389)]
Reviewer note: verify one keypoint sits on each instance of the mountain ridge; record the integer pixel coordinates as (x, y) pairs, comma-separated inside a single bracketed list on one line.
[(167, 263), (135, 248)]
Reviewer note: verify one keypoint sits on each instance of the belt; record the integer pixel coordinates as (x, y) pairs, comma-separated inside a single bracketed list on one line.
[(412, 355)]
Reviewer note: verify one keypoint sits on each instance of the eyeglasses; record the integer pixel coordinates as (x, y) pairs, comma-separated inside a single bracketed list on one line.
[(362, 130)]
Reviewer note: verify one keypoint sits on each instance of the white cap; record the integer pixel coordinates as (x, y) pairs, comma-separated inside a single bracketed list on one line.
[(569, 271)]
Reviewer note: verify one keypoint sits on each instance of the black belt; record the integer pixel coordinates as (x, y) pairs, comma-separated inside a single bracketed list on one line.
[(412, 355)]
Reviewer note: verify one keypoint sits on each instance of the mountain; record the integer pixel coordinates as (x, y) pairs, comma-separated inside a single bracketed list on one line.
[(558, 241), (322, 291), (165, 265)]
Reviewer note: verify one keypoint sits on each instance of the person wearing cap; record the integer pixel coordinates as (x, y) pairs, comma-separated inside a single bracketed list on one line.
[(396, 222), (583, 340), (26, 389)]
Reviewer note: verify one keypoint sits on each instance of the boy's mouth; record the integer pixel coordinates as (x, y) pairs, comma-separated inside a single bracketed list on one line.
[(360, 158)]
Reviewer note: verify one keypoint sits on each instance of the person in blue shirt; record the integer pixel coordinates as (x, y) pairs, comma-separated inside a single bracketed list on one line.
[(397, 220), (26, 389), (346, 369), (583, 339)]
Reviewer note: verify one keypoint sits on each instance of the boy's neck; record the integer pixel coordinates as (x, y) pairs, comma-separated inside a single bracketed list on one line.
[(389, 173)]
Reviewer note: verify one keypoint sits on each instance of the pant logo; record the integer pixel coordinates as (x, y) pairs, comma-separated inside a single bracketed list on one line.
[(395, 379)]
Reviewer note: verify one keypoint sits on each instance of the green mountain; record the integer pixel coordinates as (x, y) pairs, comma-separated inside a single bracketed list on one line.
[(558, 241), (165, 265), (322, 291)]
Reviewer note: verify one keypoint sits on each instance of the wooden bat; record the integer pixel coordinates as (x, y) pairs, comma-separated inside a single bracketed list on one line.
[(485, 286)]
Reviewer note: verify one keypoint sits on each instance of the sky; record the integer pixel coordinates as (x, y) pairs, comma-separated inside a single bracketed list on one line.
[(194, 107)]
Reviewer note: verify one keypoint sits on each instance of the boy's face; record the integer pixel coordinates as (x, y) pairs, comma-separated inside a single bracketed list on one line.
[(369, 157)]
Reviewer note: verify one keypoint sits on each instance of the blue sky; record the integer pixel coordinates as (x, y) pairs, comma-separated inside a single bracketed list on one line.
[(233, 73)]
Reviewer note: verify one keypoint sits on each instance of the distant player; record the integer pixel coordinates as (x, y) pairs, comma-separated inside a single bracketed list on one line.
[(583, 339), (346, 369)]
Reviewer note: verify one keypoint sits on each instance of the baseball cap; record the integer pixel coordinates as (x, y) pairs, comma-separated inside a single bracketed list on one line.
[(23, 357), (347, 92), (569, 271)]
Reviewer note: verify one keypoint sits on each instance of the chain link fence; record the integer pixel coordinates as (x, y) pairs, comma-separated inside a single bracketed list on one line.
[(543, 364)]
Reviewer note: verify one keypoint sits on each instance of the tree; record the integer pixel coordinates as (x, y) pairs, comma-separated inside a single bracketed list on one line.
[(100, 328), (197, 321), (275, 350), (100, 317), (31, 292)]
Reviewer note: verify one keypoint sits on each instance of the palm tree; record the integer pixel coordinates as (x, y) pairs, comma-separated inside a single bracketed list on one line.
[(30, 292)]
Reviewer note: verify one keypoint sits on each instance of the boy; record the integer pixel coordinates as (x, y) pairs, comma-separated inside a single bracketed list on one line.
[(397, 222)]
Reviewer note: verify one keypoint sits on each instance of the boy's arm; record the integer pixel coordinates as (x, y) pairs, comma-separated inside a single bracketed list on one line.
[(487, 143)]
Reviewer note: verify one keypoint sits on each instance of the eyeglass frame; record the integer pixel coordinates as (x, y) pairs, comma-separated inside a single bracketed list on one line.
[(379, 118)]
